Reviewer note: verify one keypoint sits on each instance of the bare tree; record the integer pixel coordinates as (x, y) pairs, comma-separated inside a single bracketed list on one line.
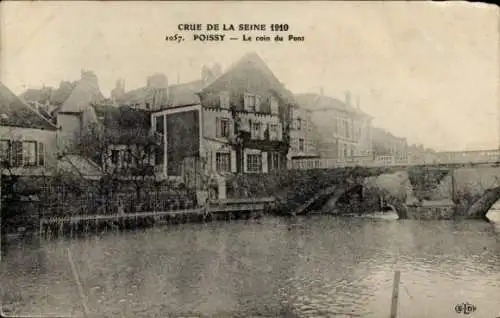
[(125, 153)]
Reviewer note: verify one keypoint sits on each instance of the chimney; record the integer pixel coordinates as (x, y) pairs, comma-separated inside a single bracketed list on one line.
[(348, 98), (321, 92), (358, 106)]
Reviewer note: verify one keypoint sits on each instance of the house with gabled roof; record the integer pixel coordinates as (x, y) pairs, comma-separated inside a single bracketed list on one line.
[(76, 112), (28, 140), (237, 123), (256, 106)]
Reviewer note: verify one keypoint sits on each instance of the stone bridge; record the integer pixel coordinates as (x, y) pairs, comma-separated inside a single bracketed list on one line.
[(416, 192), (419, 192)]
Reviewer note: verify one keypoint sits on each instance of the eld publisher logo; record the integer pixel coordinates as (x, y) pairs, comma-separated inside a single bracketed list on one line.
[(465, 308)]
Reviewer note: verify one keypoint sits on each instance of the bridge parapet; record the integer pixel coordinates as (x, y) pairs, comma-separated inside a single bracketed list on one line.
[(440, 158)]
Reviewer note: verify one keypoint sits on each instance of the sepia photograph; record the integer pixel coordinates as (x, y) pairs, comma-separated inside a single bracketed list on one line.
[(249, 159)]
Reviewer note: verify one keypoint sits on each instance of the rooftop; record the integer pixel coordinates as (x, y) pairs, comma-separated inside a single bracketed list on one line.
[(16, 113), (316, 102), (124, 125)]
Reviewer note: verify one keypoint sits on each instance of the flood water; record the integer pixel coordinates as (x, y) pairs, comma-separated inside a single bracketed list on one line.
[(311, 267)]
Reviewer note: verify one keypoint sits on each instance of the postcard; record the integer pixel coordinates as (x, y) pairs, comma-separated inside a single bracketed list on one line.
[(249, 159)]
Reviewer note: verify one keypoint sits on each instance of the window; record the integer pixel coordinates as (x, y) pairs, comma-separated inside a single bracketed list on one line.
[(5, 151), (250, 102), (254, 163), (222, 127), (41, 154), (22, 153), (257, 103), (274, 162), (223, 161), (127, 157), (17, 153), (273, 132), (115, 154), (30, 157), (299, 124), (274, 105), (159, 124), (224, 100), (347, 129), (301, 144), (256, 130)]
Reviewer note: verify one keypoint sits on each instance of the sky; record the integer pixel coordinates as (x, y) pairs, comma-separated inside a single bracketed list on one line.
[(425, 71)]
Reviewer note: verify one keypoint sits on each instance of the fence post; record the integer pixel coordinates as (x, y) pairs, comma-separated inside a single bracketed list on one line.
[(83, 298), (395, 295)]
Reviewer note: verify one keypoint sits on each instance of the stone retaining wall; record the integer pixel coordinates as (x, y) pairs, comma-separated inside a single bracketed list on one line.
[(431, 212)]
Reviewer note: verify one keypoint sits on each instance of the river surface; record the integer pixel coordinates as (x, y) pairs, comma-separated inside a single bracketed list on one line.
[(311, 267)]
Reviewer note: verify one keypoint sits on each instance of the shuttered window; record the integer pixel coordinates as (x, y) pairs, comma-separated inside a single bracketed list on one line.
[(29, 154), (17, 153), (223, 161), (224, 100), (5, 151), (41, 154), (274, 161), (222, 127), (274, 105), (254, 162)]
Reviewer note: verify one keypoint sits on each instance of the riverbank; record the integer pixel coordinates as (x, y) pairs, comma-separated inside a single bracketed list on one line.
[(234, 209)]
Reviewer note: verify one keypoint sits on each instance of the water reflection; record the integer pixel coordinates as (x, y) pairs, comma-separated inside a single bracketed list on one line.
[(319, 266)]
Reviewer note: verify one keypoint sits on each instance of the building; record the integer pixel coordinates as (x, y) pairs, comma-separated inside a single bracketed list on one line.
[(95, 135), (238, 123), (303, 140), (417, 153), (28, 140), (76, 112), (386, 144), (342, 131)]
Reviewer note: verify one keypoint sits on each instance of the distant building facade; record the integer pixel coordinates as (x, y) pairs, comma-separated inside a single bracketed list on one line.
[(342, 131), (303, 135), (386, 144)]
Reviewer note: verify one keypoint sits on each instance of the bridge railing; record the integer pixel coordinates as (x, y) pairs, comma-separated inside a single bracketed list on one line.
[(466, 157)]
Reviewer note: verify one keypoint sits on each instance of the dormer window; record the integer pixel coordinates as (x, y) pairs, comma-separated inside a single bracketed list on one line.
[(273, 132), (256, 132), (224, 100), (251, 102), (299, 124), (258, 100), (274, 105)]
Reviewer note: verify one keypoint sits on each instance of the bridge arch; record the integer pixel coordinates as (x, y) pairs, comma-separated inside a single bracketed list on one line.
[(480, 207), (326, 200)]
